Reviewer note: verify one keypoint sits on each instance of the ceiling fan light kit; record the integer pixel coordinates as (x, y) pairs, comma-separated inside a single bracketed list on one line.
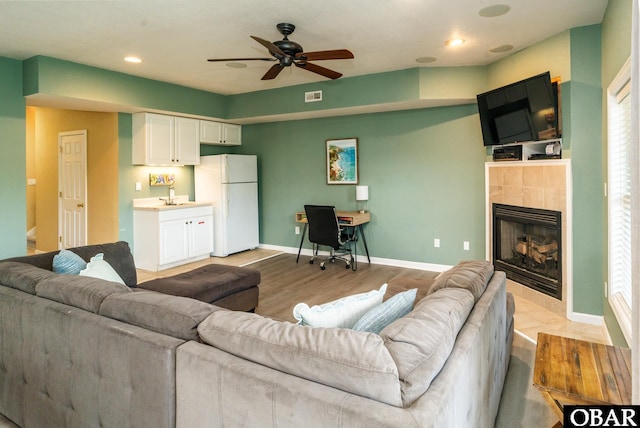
[(287, 53)]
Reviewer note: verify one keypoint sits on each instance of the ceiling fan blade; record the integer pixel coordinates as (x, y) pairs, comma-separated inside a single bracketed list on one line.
[(272, 72), (321, 55), (270, 46), (318, 70), (240, 59)]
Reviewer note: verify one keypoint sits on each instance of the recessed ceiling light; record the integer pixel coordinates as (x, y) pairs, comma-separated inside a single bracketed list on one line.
[(426, 59), (500, 49), (454, 42), (133, 59), (236, 65), (495, 10)]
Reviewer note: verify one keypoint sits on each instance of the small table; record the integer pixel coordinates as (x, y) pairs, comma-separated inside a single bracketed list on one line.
[(346, 218), (577, 372)]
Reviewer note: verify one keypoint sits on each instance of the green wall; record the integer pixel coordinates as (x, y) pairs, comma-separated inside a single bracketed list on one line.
[(584, 93), (13, 191), (424, 169)]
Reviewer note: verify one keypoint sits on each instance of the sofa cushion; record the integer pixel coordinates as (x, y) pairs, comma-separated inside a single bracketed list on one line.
[(420, 342), (80, 291), (68, 262), (384, 314), (22, 276), (403, 283), (351, 361), (100, 268), (118, 254), (171, 315), (472, 275), (343, 312)]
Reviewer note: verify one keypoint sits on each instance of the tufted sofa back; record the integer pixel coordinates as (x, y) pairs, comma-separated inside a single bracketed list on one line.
[(117, 254)]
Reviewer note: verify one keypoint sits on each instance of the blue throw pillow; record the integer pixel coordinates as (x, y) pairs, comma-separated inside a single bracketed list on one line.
[(384, 314), (68, 262)]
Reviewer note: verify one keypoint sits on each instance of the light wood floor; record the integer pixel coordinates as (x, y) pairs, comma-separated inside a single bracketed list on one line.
[(302, 282)]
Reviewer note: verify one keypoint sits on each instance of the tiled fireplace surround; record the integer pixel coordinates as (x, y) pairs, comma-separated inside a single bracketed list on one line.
[(544, 184)]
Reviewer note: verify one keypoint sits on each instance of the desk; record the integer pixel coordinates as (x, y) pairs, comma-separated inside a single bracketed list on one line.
[(354, 219), (576, 372)]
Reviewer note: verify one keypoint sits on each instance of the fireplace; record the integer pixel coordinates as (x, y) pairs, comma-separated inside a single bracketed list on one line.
[(527, 245)]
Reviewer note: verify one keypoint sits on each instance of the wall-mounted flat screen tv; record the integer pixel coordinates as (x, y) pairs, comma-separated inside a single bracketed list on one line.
[(520, 112)]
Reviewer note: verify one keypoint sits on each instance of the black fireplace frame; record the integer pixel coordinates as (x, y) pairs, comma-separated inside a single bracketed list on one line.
[(547, 218)]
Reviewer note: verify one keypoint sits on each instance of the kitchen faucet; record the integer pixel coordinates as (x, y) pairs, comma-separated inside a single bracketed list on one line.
[(172, 196)]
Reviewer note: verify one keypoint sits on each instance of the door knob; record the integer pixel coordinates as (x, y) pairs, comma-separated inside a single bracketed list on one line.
[(80, 205)]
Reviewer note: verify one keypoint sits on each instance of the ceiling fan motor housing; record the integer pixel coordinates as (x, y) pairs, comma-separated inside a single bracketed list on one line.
[(289, 47)]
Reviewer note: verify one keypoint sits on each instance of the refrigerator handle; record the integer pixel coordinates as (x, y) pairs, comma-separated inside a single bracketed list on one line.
[(226, 169), (226, 206)]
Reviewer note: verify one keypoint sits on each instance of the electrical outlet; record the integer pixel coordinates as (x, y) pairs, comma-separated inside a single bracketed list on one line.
[(436, 243), (297, 230), (465, 245)]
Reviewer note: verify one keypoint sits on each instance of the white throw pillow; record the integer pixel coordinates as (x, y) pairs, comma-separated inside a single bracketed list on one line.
[(343, 312), (99, 268)]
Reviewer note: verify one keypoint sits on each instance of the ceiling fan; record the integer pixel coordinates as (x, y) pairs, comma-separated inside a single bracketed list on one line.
[(287, 52)]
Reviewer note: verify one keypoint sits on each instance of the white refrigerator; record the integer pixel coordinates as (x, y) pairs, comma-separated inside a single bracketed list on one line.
[(230, 183)]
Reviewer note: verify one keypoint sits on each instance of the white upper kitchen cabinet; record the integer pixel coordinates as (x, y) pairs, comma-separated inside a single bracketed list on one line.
[(160, 139), (227, 134), (187, 146)]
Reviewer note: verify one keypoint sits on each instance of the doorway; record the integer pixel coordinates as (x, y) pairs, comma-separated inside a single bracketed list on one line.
[(44, 126)]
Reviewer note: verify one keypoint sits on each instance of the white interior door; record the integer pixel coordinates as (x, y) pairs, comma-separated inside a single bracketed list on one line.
[(72, 185)]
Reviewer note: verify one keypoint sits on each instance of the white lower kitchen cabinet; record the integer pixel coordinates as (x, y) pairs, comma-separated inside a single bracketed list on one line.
[(169, 236)]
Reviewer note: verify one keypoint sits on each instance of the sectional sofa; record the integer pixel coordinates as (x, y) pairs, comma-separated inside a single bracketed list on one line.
[(80, 351)]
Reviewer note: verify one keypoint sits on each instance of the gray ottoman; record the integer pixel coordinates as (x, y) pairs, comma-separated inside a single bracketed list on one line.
[(230, 287)]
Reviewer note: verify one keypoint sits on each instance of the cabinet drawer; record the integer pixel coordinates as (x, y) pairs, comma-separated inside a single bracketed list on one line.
[(187, 212)]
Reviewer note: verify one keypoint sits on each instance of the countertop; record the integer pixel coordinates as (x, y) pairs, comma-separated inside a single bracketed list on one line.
[(178, 206), (156, 204)]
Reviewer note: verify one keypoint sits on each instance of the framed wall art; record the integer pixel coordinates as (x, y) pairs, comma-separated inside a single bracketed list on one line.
[(162, 179), (342, 161)]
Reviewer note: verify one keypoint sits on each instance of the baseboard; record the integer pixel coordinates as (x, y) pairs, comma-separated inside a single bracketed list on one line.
[(586, 318), (362, 258)]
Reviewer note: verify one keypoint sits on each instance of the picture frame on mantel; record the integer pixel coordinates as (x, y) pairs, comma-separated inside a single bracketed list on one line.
[(342, 161)]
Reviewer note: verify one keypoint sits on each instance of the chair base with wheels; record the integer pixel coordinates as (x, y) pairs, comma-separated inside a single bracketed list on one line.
[(346, 257)]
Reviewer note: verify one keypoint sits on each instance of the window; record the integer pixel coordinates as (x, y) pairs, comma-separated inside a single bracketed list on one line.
[(619, 197)]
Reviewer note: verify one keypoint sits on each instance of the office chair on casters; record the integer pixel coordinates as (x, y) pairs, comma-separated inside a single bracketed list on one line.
[(324, 229)]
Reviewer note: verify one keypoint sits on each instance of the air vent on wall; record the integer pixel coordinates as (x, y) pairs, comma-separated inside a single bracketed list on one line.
[(311, 97)]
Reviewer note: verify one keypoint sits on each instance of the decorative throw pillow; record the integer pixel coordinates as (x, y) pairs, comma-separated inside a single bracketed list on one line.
[(339, 313), (100, 268), (68, 262), (382, 315)]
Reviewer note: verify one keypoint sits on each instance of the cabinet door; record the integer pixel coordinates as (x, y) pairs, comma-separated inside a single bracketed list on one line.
[(210, 132), (160, 139), (187, 141), (174, 241), (231, 134), (201, 236)]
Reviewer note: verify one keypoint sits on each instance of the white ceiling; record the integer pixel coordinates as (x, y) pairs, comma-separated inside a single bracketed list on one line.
[(175, 37)]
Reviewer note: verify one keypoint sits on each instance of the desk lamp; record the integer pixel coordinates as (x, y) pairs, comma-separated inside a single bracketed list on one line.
[(362, 195)]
